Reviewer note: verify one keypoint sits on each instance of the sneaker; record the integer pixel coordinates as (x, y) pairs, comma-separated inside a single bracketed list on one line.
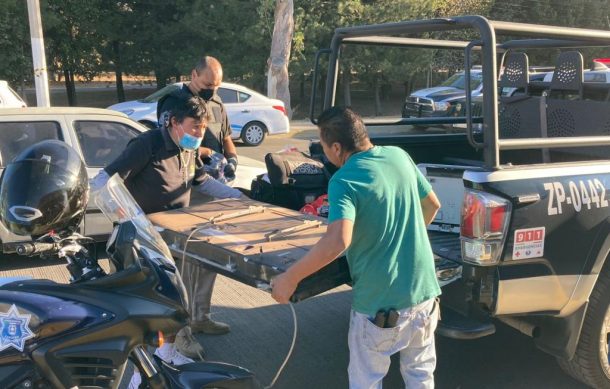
[(170, 354), (210, 327), (188, 345)]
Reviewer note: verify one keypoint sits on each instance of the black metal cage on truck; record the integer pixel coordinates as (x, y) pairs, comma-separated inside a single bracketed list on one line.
[(524, 183)]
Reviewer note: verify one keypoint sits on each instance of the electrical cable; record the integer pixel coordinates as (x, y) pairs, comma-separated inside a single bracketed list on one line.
[(294, 338), (294, 315)]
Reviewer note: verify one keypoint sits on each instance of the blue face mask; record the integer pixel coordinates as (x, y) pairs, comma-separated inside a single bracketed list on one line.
[(190, 142)]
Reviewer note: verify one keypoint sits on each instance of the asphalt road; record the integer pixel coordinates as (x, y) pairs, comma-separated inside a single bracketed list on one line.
[(262, 332), (301, 132)]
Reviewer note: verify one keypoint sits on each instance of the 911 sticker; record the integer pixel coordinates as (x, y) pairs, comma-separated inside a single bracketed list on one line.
[(580, 195), (14, 329), (529, 243)]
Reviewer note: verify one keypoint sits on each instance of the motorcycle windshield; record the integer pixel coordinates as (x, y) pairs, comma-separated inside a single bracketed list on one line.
[(118, 205)]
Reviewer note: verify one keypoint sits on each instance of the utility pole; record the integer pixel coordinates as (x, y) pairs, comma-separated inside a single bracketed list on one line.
[(41, 77)]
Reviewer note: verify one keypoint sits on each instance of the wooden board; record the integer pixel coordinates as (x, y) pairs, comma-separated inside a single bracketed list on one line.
[(249, 241)]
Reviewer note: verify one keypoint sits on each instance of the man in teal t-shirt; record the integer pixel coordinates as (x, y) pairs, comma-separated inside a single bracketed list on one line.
[(380, 205)]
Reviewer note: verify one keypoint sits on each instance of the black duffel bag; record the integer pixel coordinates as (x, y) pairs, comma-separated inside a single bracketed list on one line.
[(293, 180)]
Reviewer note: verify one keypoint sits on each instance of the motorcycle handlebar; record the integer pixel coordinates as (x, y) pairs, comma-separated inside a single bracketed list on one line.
[(32, 248)]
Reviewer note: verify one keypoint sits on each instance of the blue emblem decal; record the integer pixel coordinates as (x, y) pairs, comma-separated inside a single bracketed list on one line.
[(14, 329)]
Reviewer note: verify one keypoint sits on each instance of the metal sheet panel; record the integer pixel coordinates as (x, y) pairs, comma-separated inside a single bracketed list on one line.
[(249, 241)]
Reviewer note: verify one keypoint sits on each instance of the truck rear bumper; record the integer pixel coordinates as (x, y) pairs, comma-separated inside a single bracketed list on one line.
[(457, 326)]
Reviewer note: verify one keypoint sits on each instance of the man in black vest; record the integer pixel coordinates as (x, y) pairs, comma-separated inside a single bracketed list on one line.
[(206, 78)]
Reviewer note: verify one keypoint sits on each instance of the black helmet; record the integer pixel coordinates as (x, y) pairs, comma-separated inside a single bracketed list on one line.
[(44, 189)]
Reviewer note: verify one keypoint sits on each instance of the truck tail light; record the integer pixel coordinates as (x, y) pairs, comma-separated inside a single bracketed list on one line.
[(483, 227), (281, 108)]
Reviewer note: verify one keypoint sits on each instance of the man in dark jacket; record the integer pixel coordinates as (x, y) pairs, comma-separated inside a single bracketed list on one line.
[(206, 78)]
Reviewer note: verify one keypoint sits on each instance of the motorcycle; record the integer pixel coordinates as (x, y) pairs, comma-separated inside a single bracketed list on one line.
[(83, 334)]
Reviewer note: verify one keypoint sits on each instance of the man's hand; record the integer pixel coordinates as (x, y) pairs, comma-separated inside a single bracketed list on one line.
[(283, 288), (230, 168)]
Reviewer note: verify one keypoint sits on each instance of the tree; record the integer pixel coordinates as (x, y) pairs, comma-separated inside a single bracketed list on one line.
[(16, 64), (237, 32), (116, 32), (161, 37), (581, 13), (71, 40), (277, 79)]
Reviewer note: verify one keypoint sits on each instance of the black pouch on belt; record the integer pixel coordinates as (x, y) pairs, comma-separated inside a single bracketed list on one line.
[(392, 319), (380, 319)]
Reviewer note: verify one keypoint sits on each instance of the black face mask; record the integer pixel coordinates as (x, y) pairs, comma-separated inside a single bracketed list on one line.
[(206, 94)]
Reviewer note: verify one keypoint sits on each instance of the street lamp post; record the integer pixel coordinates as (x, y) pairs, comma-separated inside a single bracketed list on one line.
[(41, 77)]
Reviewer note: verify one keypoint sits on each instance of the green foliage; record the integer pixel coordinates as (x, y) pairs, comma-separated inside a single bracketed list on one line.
[(16, 64), (70, 35), (237, 32), (167, 37), (574, 13)]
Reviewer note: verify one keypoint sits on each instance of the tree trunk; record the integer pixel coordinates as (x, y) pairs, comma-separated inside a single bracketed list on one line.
[(120, 91), (118, 71), (378, 111), (161, 79), (277, 76), (347, 88), (70, 87)]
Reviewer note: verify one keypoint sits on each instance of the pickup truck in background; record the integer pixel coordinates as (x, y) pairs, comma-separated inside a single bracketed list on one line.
[(523, 235), (443, 100), (449, 98)]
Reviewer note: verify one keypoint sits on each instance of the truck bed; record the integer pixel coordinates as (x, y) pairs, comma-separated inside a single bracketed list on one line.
[(446, 245)]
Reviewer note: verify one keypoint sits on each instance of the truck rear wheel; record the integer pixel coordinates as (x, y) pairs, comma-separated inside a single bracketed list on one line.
[(591, 362)]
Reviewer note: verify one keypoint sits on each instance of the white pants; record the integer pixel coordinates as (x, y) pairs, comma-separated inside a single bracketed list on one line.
[(370, 348)]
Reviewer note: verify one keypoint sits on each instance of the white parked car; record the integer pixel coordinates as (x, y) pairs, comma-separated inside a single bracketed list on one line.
[(252, 116), (98, 135), (9, 98)]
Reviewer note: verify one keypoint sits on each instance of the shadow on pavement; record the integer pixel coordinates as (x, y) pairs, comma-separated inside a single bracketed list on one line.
[(260, 338)]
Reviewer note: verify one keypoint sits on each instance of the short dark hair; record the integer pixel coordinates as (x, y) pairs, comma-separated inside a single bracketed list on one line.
[(194, 107), (344, 126), (204, 61)]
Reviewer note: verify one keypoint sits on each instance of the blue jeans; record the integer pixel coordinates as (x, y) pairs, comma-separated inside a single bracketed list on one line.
[(370, 348)]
